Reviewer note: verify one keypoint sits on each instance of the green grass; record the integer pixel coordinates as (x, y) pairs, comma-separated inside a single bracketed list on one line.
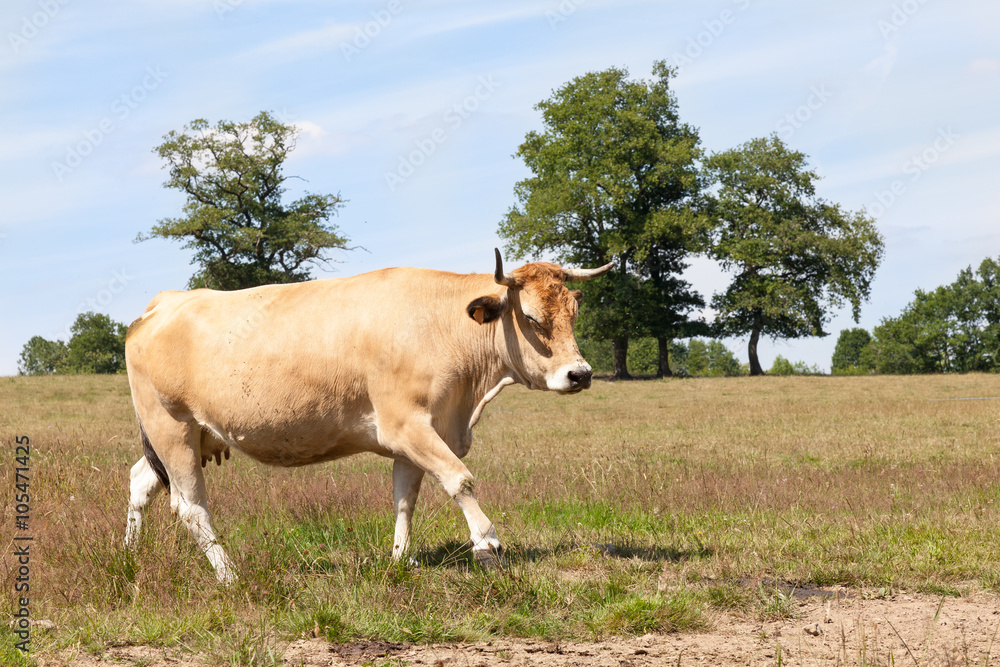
[(635, 507)]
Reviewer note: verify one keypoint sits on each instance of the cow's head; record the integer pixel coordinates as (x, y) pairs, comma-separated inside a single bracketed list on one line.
[(536, 314)]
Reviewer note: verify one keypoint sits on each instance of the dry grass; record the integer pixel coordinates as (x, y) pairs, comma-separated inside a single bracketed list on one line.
[(629, 508)]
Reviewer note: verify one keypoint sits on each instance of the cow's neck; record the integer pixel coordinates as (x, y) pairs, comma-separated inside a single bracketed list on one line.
[(489, 372)]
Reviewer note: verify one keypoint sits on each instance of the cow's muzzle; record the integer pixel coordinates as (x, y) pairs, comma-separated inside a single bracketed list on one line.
[(579, 379), (571, 378)]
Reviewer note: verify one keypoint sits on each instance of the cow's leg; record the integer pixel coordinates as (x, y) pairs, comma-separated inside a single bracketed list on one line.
[(421, 444), (178, 446), (143, 487), (189, 499), (485, 544), (406, 479)]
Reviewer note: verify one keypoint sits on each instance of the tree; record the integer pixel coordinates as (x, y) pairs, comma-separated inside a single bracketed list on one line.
[(42, 357), (721, 361), (96, 346), (614, 176), (847, 353), (610, 312), (952, 329), (794, 256), (891, 350), (705, 359), (668, 300), (782, 366), (234, 219)]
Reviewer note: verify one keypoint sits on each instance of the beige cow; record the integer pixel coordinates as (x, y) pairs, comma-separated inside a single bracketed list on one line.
[(398, 362)]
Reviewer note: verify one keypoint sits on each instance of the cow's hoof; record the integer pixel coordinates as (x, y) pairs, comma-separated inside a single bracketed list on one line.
[(490, 558)]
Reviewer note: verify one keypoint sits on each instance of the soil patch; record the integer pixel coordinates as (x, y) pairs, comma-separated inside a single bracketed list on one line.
[(831, 626)]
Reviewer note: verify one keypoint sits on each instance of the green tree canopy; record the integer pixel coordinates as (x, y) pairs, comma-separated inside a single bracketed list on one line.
[(793, 256), (96, 345), (847, 354), (668, 301), (234, 219), (42, 357), (701, 358), (613, 176), (782, 366), (952, 329), (691, 358)]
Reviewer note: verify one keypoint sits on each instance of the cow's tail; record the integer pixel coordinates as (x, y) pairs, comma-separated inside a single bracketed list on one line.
[(154, 461)]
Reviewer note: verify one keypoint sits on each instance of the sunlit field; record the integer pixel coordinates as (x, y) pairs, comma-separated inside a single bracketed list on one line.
[(634, 507)]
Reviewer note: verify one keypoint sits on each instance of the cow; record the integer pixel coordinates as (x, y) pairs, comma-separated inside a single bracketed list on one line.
[(398, 362)]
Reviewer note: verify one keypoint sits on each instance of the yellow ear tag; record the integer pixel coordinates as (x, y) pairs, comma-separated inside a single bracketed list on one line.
[(477, 314)]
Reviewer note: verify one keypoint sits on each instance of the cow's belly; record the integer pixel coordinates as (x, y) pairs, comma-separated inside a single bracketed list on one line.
[(296, 442), (275, 411)]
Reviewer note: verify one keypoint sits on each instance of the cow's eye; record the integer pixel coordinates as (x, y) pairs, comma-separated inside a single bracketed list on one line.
[(532, 320)]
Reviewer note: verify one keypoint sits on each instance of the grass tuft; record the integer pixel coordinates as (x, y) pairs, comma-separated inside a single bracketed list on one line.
[(324, 621), (637, 615)]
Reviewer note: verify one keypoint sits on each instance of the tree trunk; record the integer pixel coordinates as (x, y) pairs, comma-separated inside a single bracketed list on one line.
[(755, 368), (663, 369), (620, 349)]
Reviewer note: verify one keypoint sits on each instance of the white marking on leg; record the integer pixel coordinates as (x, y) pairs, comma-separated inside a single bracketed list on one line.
[(406, 479), (143, 487), (199, 522), (482, 534), (189, 498)]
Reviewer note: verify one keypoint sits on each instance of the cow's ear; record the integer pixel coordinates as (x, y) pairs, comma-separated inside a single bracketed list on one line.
[(485, 309), (578, 295)]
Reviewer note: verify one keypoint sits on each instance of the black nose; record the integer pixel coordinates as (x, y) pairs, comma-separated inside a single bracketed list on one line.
[(580, 379)]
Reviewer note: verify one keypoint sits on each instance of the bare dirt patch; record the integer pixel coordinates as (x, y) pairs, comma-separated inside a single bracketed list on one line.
[(830, 627)]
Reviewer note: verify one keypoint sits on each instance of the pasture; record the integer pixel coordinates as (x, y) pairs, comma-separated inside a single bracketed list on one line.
[(632, 508)]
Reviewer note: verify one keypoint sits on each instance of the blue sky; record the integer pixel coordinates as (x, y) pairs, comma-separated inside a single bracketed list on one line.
[(894, 102)]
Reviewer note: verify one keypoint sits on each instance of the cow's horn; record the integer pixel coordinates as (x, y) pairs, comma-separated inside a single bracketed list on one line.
[(502, 278), (587, 274)]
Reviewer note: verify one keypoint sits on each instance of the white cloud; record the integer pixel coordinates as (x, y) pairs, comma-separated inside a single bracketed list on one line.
[(476, 16), (304, 44), (314, 140), (730, 56), (478, 19), (310, 129), (985, 65)]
